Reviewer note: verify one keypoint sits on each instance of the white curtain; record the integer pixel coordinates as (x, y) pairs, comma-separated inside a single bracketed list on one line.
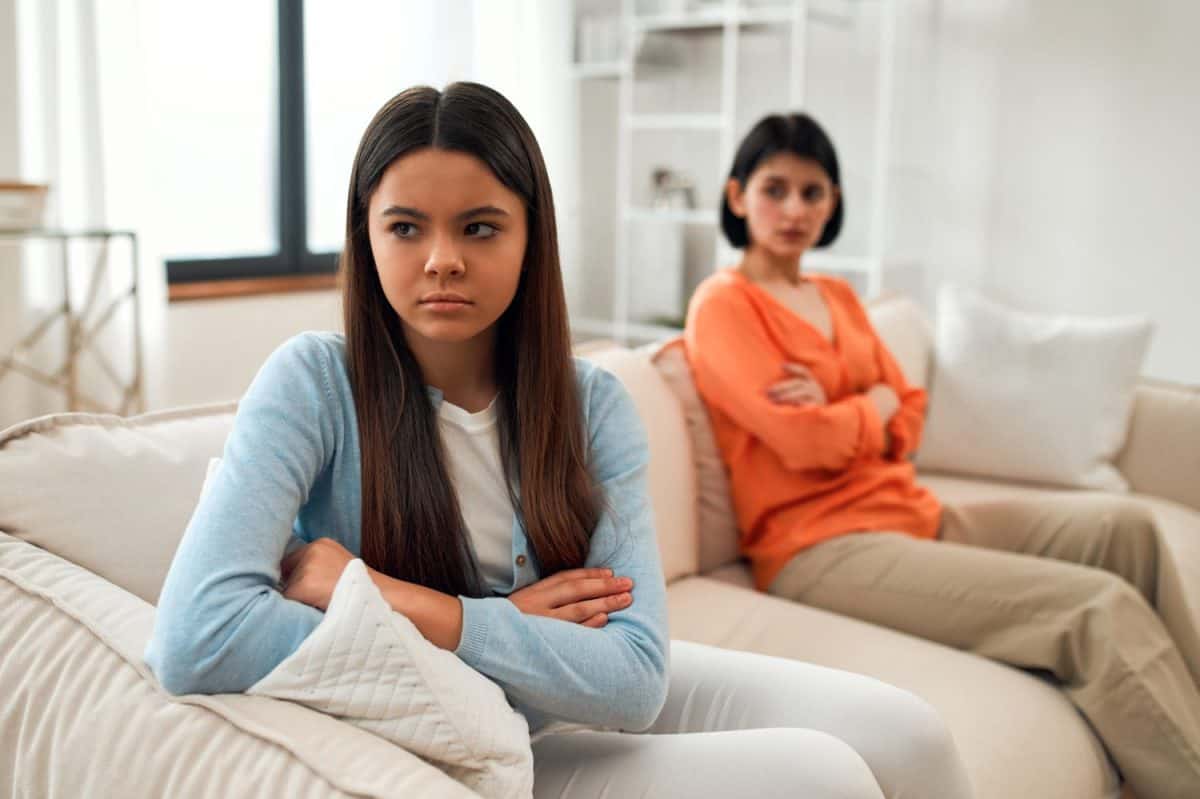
[(80, 110)]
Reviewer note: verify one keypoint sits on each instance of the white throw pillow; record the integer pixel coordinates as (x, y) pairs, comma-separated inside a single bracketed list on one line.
[(1030, 397), (111, 494)]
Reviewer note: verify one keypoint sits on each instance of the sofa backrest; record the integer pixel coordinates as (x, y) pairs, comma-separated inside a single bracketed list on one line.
[(1161, 456), (672, 474), (908, 334), (114, 495)]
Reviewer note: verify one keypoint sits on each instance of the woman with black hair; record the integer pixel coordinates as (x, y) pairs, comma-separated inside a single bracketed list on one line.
[(816, 423)]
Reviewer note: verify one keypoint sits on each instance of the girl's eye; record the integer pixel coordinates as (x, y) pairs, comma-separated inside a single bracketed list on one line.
[(405, 230), (814, 194), (776, 191), (481, 230)]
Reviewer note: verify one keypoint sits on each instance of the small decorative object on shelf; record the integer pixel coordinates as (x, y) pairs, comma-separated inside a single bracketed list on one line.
[(84, 325), (21, 205), (673, 190)]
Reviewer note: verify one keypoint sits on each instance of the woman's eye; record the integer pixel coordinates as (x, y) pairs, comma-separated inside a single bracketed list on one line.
[(814, 194), (405, 230), (481, 230), (776, 191)]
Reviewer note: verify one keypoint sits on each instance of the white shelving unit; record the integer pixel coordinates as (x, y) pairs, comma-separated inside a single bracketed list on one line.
[(663, 111)]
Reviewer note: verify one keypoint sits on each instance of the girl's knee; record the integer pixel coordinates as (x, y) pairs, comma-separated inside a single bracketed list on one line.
[(818, 764), (912, 746)]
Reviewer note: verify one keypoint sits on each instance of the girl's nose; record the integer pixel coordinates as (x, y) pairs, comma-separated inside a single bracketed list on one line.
[(445, 259)]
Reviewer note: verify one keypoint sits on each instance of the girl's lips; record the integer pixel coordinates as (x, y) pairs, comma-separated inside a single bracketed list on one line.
[(445, 306)]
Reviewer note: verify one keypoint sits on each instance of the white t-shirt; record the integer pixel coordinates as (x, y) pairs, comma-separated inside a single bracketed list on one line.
[(471, 442)]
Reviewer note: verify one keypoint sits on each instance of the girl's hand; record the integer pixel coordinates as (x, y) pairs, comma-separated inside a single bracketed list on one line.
[(802, 388), (583, 596), (311, 572)]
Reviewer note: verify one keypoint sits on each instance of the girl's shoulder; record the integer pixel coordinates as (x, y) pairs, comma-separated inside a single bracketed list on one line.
[(308, 366), (598, 387)]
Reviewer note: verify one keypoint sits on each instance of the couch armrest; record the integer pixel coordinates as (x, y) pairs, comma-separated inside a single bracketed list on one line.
[(87, 718), (1162, 451)]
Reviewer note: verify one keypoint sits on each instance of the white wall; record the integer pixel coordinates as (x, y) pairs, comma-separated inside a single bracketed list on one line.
[(1069, 162), (215, 347)]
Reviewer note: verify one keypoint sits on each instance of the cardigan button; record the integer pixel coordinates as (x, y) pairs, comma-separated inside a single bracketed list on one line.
[(520, 560)]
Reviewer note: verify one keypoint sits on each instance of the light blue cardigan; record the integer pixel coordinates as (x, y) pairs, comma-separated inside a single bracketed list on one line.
[(291, 468)]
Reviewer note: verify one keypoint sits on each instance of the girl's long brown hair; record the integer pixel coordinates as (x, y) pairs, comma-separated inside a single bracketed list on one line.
[(412, 526)]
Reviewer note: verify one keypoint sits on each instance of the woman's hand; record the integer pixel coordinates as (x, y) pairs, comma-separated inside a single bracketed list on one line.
[(802, 388), (886, 401), (583, 596), (311, 572)]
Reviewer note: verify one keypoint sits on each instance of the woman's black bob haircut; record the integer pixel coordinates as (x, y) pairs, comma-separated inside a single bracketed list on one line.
[(798, 134)]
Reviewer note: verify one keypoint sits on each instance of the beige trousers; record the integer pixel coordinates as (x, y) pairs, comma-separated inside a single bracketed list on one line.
[(1063, 585)]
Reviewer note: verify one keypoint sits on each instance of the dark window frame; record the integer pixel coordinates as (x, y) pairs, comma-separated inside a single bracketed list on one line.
[(293, 256)]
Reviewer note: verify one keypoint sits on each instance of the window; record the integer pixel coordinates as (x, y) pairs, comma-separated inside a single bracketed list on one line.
[(258, 108), (228, 110)]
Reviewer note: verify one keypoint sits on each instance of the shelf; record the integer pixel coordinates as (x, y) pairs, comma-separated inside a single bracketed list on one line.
[(676, 121), (684, 216), (684, 23), (634, 330), (599, 70), (665, 23)]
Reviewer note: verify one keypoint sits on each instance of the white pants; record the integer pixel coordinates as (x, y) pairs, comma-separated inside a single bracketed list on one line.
[(740, 724)]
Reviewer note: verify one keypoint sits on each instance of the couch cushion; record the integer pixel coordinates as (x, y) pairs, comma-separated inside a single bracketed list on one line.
[(1179, 586), (672, 481), (983, 418), (716, 523), (82, 716), (1019, 736), (110, 494)]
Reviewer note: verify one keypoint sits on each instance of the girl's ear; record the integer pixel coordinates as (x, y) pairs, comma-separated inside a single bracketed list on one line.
[(735, 195)]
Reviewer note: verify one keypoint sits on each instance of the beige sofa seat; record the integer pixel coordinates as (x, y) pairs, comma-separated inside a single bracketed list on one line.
[(1019, 736)]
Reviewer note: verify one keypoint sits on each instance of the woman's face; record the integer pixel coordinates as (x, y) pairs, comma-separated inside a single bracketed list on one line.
[(449, 242), (786, 203)]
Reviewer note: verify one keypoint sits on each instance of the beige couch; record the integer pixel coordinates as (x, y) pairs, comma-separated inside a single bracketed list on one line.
[(91, 509)]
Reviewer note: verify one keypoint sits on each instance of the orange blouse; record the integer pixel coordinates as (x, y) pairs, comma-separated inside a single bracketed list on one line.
[(804, 474)]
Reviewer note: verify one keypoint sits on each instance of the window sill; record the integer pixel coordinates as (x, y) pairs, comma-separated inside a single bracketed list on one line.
[(225, 289)]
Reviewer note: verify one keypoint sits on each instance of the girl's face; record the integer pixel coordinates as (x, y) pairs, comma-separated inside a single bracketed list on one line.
[(448, 240), (786, 203)]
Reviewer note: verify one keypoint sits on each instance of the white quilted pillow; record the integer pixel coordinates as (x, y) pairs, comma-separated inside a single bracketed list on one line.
[(1022, 396), (371, 667)]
